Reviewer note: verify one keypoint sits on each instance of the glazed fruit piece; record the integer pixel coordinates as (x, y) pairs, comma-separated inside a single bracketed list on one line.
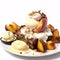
[(51, 27), (56, 40), (41, 46), (15, 26), (12, 27), (56, 33), (9, 28), (50, 45), (41, 25)]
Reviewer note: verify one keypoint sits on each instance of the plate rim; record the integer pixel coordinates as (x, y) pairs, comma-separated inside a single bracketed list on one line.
[(26, 55)]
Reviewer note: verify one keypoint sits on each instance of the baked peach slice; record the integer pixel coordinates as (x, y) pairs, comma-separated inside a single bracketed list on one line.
[(56, 40), (41, 25), (41, 46), (9, 28), (50, 45), (51, 27), (12, 27), (56, 33), (15, 26)]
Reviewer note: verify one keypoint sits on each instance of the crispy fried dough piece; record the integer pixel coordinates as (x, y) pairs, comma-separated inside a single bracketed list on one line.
[(50, 45)]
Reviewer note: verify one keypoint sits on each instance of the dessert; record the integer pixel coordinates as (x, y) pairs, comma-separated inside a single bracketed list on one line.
[(36, 34), (36, 21)]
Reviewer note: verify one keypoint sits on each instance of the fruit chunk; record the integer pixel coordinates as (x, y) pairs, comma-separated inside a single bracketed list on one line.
[(56, 33), (51, 27), (41, 46), (41, 25), (15, 26), (56, 40), (12, 27), (9, 28), (50, 45)]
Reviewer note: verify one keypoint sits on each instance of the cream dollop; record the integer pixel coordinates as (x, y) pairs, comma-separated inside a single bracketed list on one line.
[(8, 36), (19, 45), (36, 16), (30, 34)]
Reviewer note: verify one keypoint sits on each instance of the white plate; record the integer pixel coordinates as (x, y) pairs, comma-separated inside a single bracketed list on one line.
[(49, 52)]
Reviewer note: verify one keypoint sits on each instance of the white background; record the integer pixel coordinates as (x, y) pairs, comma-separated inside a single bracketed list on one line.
[(16, 10)]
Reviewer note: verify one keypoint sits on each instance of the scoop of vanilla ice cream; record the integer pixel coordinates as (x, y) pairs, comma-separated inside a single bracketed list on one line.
[(8, 36), (32, 20), (31, 23), (36, 16), (19, 45)]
